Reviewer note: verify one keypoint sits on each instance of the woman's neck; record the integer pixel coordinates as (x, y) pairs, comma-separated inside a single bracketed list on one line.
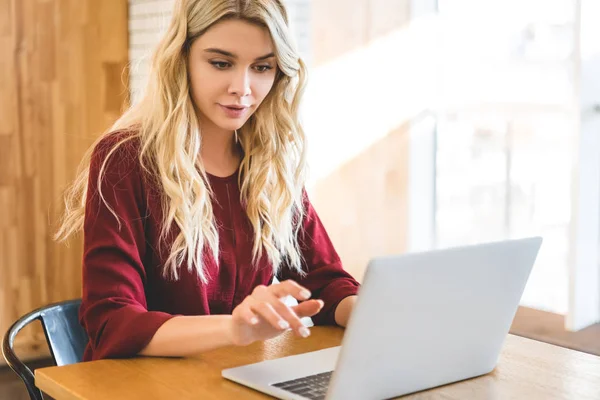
[(220, 153)]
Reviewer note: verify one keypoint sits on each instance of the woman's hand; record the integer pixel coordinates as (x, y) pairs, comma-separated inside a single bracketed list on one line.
[(263, 314)]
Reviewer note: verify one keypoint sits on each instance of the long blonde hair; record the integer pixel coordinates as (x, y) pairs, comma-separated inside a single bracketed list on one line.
[(272, 171)]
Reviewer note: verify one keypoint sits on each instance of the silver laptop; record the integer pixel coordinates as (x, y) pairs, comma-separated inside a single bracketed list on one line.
[(421, 320)]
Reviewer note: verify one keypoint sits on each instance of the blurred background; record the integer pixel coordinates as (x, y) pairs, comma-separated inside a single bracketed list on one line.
[(431, 123)]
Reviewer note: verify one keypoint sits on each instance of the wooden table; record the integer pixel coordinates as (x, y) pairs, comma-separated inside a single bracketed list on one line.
[(527, 370)]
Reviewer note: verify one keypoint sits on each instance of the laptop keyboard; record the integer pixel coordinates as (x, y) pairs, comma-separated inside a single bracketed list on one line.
[(312, 387)]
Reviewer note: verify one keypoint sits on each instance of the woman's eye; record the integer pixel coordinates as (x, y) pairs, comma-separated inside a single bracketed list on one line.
[(263, 68), (220, 64)]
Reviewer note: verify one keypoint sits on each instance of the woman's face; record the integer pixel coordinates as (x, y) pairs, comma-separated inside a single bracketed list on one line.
[(232, 68)]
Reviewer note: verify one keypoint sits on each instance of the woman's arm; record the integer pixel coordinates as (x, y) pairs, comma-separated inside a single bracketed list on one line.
[(344, 310), (114, 309), (262, 315), (186, 335), (325, 275)]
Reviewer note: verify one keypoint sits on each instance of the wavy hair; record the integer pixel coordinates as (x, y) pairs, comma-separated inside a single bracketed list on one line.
[(272, 171)]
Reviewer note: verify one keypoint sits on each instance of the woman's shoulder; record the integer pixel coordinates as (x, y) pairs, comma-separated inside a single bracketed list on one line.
[(117, 151), (121, 144), (117, 156)]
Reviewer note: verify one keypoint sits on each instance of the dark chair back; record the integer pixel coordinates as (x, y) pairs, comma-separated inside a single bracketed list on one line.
[(65, 336)]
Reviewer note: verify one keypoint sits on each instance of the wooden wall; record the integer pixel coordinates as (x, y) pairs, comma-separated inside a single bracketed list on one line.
[(363, 203), (62, 82), (342, 26)]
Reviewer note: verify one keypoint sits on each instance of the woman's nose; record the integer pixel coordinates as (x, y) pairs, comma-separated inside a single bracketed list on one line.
[(240, 84)]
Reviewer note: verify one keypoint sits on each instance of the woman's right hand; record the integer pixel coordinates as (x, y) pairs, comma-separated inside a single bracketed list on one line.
[(263, 314)]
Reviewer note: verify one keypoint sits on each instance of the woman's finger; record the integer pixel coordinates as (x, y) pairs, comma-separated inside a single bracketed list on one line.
[(285, 312), (308, 308), (290, 288), (268, 313), (245, 313)]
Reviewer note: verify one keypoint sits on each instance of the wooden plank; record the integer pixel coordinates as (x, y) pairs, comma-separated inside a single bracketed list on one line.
[(363, 203), (30, 348), (52, 108)]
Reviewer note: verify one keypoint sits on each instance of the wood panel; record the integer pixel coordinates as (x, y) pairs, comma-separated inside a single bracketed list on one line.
[(60, 87), (363, 204), (342, 26)]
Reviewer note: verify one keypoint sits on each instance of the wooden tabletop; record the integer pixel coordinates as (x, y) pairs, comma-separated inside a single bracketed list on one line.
[(527, 369)]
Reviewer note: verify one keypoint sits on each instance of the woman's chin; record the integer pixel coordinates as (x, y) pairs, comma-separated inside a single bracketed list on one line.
[(231, 124)]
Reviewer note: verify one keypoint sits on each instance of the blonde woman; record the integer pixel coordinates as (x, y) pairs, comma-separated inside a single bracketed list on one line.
[(194, 200)]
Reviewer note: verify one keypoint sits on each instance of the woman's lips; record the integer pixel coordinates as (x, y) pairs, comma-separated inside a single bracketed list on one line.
[(233, 111)]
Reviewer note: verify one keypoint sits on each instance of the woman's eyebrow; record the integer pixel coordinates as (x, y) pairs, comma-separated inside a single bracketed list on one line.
[(230, 54)]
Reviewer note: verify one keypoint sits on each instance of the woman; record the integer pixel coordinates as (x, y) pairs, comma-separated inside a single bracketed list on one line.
[(194, 200)]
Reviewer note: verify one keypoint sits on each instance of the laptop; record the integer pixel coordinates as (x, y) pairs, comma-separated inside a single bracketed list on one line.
[(421, 320)]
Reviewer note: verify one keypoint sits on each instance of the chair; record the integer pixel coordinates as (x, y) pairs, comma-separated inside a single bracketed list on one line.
[(65, 336)]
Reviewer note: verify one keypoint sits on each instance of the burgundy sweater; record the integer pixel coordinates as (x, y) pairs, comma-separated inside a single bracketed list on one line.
[(125, 296)]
